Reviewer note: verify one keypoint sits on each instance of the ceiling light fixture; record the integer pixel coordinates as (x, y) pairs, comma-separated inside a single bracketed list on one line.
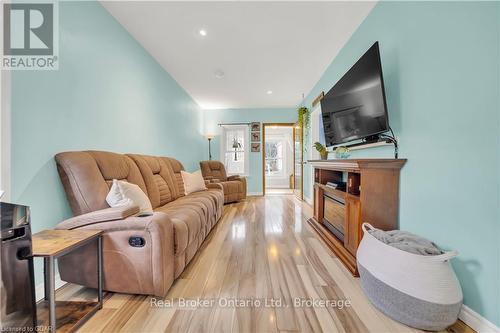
[(269, 92), (203, 32)]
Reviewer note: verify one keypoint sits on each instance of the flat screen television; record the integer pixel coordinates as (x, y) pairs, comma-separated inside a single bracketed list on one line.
[(355, 108)]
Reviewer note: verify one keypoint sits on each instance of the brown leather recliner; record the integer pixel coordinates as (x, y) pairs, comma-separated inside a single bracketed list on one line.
[(235, 187), (172, 235)]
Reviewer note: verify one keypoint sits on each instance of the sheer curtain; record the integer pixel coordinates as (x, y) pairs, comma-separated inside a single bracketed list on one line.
[(235, 148)]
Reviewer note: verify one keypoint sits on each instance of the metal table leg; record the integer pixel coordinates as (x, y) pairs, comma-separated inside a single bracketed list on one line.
[(99, 271), (46, 270), (51, 293)]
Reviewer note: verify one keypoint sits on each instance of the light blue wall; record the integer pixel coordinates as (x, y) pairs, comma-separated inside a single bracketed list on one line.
[(441, 70), (498, 161), (213, 117), (108, 94)]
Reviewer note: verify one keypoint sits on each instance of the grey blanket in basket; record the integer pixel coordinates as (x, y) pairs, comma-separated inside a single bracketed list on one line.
[(407, 242)]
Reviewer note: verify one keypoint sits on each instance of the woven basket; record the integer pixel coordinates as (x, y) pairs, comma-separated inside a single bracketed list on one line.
[(416, 290)]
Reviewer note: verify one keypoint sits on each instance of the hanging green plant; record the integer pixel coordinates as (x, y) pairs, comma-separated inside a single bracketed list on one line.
[(304, 117)]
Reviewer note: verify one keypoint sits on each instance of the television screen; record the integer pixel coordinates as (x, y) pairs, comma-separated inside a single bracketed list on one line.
[(355, 108)]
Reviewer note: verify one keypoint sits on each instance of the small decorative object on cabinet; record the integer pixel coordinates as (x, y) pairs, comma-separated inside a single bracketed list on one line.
[(342, 152), (321, 150), (358, 190)]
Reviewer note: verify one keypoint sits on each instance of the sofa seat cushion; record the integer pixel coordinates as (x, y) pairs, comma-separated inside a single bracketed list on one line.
[(203, 206), (193, 216), (215, 196), (208, 203), (188, 222), (218, 197)]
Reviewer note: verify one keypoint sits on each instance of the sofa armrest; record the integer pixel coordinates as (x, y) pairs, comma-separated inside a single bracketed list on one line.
[(99, 216), (148, 269), (243, 180), (134, 222), (215, 185)]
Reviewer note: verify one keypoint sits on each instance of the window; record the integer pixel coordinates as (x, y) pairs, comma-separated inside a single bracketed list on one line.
[(274, 157), (235, 148)]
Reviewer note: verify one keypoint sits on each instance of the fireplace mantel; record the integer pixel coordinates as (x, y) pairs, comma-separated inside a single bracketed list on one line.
[(358, 164), (371, 195)]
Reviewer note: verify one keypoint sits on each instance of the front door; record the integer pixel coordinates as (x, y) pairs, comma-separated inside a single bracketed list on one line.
[(298, 161)]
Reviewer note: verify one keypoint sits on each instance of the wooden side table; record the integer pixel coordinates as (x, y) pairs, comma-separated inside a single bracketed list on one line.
[(52, 244)]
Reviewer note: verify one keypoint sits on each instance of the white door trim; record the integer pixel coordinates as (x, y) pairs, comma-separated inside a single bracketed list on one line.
[(312, 153)]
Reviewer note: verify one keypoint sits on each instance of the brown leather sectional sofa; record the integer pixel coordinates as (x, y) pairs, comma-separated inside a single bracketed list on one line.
[(235, 187), (172, 235)]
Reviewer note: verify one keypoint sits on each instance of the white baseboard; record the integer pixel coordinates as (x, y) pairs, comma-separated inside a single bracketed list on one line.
[(309, 200), (254, 194), (477, 322), (39, 288)]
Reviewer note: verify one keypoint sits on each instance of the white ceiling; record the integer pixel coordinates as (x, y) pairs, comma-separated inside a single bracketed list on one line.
[(280, 46)]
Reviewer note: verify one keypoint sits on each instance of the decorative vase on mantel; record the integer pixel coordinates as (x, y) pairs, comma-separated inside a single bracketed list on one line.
[(324, 155), (342, 152)]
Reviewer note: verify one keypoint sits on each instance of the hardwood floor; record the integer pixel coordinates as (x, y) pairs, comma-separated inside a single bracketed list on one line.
[(262, 249)]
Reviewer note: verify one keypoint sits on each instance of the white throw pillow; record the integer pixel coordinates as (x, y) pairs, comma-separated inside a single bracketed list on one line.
[(193, 182), (115, 197), (124, 194)]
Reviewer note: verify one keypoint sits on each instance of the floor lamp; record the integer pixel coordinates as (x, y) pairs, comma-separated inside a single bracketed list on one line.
[(209, 138)]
